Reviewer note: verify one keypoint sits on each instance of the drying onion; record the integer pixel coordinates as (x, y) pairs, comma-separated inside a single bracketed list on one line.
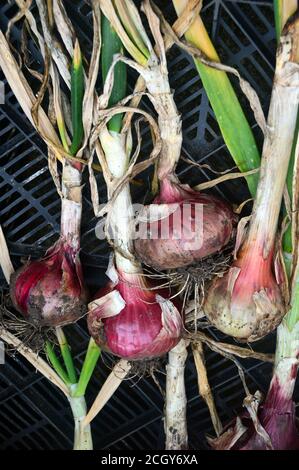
[(132, 319), (176, 250), (50, 291), (197, 226), (247, 301), (129, 317), (274, 425)]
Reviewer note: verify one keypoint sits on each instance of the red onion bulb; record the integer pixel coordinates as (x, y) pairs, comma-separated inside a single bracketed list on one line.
[(189, 226), (246, 302), (50, 292), (133, 322), (277, 420)]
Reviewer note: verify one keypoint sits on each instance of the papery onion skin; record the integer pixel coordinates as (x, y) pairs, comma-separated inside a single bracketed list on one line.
[(277, 416), (137, 332), (246, 302), (50, 292), (215, 229)]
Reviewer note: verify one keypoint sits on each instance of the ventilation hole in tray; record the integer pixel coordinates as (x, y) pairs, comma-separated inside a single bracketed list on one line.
[(182, 85), (11, 158), (85, 9), (232, 25), (32, 172), (24, 216), (50, 395), (51, 199), (7, 426), (46, 188), (43, 232), (37, 178), (22, 414), (254, 15), (254, 75), (5, 129), (227, 39), (191, 123), (55, 209), (6, 202)]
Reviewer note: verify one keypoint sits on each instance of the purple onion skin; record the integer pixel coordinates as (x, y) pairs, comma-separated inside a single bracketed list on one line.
[(281, 428), (50, 292), (137, 332), (277, 415), (232, 306), (217, 229)]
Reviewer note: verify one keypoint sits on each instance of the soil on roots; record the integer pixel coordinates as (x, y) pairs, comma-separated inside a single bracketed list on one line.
[(31, 335), (191, 283)]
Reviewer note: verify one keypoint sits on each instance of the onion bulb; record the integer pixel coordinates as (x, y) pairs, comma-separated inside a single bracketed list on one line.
[(277, 428), (278, 418), (193, 238), (50, 291), (247, 302), (132, 319), (273, 426), (189, 226)]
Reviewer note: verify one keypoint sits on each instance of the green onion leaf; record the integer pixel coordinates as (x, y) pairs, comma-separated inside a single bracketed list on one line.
[(77, 91), (233, 124), (90, 361), (111, 44), (56, 363)]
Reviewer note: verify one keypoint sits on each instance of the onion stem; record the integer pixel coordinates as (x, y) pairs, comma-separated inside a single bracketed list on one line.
[(277, 144), (77, 91), (111, 45), (176, 400), (56, 364), (76, 397), (90, 361), (121, 214), (82, 435), (247, 301), (71, 204), (154, 71), (283, 10), (114, 146), (66, 354)]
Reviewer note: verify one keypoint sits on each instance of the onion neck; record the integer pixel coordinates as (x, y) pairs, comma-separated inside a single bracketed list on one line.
[(82, 435), (71, 205), (121, 215), (176, 400), (282, 385), (287, 347), (169, 191), (169, 120), (256, 271), (276, 155)]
